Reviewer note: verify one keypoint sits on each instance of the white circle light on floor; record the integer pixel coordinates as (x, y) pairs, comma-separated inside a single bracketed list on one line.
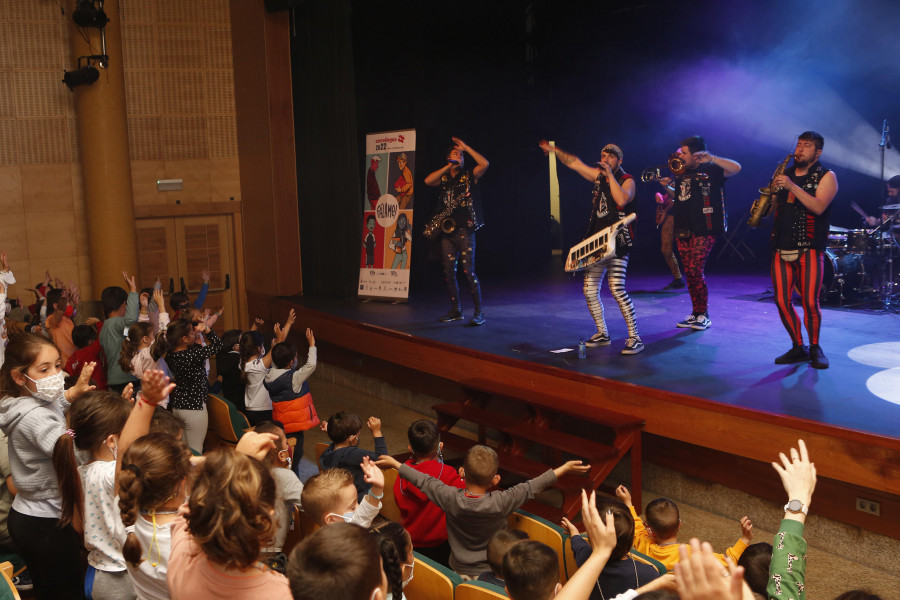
[(886, 355)]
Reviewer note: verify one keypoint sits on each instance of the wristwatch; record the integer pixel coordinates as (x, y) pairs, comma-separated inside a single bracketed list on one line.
[(796, 506)]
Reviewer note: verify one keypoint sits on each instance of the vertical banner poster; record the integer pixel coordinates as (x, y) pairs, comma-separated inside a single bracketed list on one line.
[(386, 237)]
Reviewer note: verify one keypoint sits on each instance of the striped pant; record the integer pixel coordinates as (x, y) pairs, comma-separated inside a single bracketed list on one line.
[(614, 270), (804, 274)]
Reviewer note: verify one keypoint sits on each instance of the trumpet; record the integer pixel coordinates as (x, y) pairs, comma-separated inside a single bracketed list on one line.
[(675, 164)]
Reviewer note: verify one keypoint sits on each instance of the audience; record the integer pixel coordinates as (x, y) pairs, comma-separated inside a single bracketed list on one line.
[(397, 558), (476, 513), (497, 548), (121, 310), (339, 561), (622, 571), (330, 496), (425, 522), (659, 539), (228, 367), (286, 382), (344, 452), (255, 362)]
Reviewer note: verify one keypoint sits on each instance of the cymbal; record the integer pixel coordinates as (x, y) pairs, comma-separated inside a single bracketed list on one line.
[(891, 207), (837, 229)]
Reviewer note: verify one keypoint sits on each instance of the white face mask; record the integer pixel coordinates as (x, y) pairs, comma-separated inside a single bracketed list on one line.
[(287, 459), (347, 516), (410, 578), (49, 388)]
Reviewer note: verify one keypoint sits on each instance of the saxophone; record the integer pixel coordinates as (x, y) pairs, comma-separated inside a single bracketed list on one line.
[(762, 206), (443, 221)]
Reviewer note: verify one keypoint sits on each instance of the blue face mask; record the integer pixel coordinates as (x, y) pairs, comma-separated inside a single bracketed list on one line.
[(347, 516)]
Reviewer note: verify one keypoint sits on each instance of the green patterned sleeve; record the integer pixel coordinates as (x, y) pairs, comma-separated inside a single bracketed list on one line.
[(787, 572)]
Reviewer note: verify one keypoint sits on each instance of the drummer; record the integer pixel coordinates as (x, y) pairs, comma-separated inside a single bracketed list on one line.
[(892, 203)]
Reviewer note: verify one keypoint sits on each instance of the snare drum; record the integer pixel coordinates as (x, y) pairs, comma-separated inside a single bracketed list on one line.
[(837, 241)]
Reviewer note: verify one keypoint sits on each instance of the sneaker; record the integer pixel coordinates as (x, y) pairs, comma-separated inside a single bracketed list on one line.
[(797, 354), (701, 322), (22, 580), (817, 357), (675, 284), (597, 340), (688, 321), (477, 320), (454, 315), (633, 346)]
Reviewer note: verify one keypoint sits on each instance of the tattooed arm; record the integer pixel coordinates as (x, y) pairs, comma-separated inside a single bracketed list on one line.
[(571, 161)]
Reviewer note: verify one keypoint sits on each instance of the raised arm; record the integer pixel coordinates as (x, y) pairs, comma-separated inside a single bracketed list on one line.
[(602, 535), (482, 163), (571, 161), (155, 386), (731, 167), (433, 179)]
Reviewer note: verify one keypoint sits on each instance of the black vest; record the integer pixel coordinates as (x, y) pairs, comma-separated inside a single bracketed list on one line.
[(796, 227)]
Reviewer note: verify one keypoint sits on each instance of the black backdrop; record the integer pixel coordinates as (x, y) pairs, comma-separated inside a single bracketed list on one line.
[(502, 75)]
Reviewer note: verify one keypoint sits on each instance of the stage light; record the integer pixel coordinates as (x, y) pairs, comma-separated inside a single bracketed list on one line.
[(86, 75), (90, 13)]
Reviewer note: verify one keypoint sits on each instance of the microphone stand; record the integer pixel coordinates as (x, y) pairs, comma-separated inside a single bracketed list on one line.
[(887, 268)]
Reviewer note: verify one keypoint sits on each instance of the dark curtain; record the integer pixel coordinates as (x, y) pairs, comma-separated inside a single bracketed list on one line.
[(328, 163)]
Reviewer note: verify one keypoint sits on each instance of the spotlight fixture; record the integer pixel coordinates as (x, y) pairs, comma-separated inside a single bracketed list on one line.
[(89, 13), (85, 74)]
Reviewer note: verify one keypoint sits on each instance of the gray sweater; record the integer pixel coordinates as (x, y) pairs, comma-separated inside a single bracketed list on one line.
[(113, 334), (473, 521), (33, 427)]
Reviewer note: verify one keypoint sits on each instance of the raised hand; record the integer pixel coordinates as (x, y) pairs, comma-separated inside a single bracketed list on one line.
[(310, 337), (746, 530), (374, 425), (372, 475), (698, 575), (128, 392), (4, 261), (624, 495), (601, 533), (155, 386), (83, 385), (798, 474), (386, 460), (572, 466), (130, 281), (158, 299), (256, 445), (205, 276)]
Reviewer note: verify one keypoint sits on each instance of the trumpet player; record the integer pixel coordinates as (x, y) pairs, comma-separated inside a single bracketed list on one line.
[(699, 190), (799, 237), (458, 246), (613, 192)]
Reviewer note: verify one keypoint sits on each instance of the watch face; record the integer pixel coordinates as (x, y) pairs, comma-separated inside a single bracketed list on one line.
[(795, 506)]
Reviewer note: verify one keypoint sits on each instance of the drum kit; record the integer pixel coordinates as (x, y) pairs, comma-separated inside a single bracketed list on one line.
[(859, 262)]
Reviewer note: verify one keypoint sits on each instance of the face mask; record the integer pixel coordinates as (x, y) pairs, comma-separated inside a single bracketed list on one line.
[(115, 450), (49, 388), (410, 578), (347, 516), (287, 458)]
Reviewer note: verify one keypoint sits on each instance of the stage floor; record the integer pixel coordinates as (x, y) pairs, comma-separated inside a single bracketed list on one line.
[(730, 363)]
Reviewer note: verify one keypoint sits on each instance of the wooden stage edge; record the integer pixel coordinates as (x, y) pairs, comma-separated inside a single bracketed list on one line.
[(742, 442)]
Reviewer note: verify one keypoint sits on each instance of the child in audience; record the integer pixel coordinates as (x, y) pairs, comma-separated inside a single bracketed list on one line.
[(330, 496), (397, 558), (86, 338), (475, 514), (292, 402), (121, 310), (216, 545), (95, 424), (61, 305), (6, 280), (187, 360), (340, 561), (255, 362), (32, 415), (164, 421), (228, 368), (497, 548), (622, 572), (180, 302), (426, 523), (755, 560), (151, 301), (344, 452), (139, 338), (288, 491), (152, 479), (659, 539), (531, 570)]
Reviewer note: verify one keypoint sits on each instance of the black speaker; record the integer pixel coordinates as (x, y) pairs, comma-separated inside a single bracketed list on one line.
[(279, 5)]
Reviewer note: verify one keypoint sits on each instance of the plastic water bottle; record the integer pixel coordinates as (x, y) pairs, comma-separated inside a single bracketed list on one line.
[(582, 349)]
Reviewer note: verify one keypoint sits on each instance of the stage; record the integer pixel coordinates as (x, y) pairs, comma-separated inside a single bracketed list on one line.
[(716, 389)]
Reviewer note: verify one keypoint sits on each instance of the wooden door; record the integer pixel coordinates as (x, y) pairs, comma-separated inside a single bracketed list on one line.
[(179, 249)]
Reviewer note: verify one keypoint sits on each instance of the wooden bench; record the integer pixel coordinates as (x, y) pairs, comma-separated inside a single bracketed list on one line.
[(535, 424)]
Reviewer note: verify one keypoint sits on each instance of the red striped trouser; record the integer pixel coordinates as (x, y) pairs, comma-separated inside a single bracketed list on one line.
[(804, 274)]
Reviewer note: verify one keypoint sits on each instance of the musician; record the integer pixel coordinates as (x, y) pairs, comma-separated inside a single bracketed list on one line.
[(893, 198), (612, 195), (699, 217), (799, 236), (458, 246)]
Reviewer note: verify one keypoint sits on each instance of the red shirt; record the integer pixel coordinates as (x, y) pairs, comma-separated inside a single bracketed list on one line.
[(91, 353), (425, 522)]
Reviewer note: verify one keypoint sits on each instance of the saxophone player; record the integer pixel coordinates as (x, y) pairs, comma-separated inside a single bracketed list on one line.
[(612, 194), (458, 245), (799, 237)]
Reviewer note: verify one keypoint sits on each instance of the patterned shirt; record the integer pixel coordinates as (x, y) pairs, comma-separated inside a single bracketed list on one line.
[(189, 372)]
